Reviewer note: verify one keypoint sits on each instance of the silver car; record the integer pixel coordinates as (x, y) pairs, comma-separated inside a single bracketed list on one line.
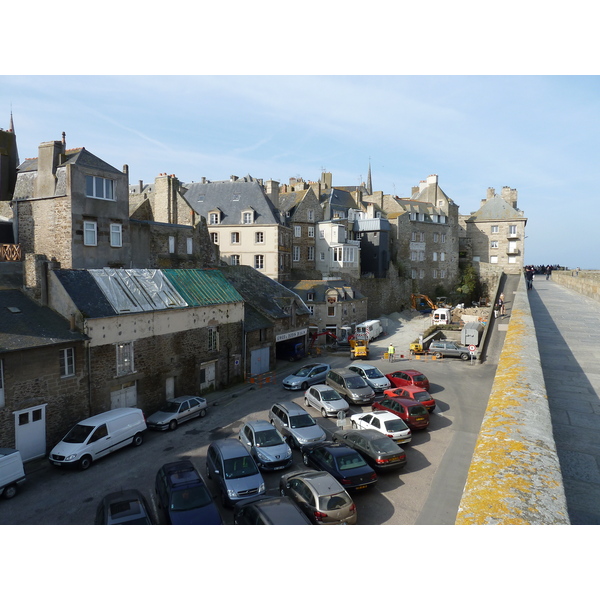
[(266, 445), (326, 400), (295, 424), (373, 376), (306, 376), (177, 411)]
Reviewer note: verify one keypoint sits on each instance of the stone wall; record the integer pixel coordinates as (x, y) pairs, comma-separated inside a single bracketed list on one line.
[(586, 283)]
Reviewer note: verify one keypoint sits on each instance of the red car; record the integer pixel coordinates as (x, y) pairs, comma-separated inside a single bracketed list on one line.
[(408, 377), (412, 392), (414, 414)]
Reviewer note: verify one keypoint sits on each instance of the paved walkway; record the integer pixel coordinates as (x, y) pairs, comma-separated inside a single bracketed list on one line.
[(568, 332)]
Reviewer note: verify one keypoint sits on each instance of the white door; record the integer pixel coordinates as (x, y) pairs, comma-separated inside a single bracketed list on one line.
[(30, 432), (207, 375), (126, 397), (170, 388)]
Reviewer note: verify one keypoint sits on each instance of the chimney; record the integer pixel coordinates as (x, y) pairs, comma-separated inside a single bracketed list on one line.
[(48, 161), (233, 178), (272, 191)]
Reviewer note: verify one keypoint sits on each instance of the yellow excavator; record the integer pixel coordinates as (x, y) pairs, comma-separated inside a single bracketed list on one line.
[(419, 305)]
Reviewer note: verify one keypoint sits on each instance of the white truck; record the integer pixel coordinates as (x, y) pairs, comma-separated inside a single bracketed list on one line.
[(11, 472), (369, 330)]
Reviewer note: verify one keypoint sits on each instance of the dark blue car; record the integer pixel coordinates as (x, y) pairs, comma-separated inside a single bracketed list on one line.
[(344, 463), (183, 497)]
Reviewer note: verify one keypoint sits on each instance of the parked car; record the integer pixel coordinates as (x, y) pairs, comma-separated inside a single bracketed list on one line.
[(350, 385), (306, 376), (182, 496), (415, 393), (326, 400), (295, 424), (341, 461), (234, 470), (269, 510), (440, 348), (373, 376), (385, 422), (414, 414), (98, 436), (266, 445), (128, 507), (375, 447), (12, 473), (320, 496), (408, 377), (177, 411)]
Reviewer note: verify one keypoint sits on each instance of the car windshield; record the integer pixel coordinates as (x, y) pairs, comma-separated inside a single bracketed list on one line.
[(419, 377), (334, 501), (269, 437), (384, 445), (355, 383), (422, 396), (396, 425), (171, 407), (303, 372), (373, 373), (78, 434), (350, 461), (190, 498), (128, 512), (239, 467), (330, 395), (417, 411), (299, 421)]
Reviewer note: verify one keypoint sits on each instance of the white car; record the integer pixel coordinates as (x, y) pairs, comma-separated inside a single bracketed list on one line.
[(325, 399), (373, 376), (385, 422)]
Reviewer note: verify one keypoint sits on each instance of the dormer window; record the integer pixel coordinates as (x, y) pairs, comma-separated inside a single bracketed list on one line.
[(214, 218), (248, 217)]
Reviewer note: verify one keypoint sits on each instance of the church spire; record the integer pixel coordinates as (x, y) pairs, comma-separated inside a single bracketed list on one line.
[(11, 128), (369, 182)]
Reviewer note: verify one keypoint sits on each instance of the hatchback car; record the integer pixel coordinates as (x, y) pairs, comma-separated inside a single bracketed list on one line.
[(295, 424), (373, 376), (320, 496), (408, 377), (375, 447), (182, 496), (341, 461), (414, 414), (413, 393), (234, 470), (326, 400), (177, 411), (269, 510), (266, 445), (350, 385), (128, 507), (385, 422), (306, 376)]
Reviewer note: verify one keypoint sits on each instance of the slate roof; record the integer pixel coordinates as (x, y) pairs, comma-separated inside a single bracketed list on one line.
[(496, 209), (85, 293), (320, 287), (339, 198), (221, 195), (31, 325), (267, 296), (288, 201), (75, 156)]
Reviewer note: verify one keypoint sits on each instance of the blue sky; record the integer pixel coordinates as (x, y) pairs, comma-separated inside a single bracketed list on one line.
[(489, 103)]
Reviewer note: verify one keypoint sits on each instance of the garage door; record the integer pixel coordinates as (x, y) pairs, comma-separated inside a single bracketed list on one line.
[(259, 361), (126, 397), (30, 432)]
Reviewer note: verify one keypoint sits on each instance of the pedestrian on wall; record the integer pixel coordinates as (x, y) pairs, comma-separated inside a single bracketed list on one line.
[(496, 309), (501, 304), (391, 352)]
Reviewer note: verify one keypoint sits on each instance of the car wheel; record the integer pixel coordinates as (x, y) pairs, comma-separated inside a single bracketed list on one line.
[(306, 402), (203, 413), (305, 459), (323, 413), (10, 491), (290, 442), (173, 425), (85, 462), (138, 438), (464, 356), (437, 354)]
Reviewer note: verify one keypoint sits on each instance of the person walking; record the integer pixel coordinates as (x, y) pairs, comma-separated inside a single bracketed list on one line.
[(391, 352), (501, 304)]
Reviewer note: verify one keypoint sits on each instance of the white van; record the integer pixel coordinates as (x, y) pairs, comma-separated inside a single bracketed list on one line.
[(98, 436), (441, 316), (11, 472), (369, 330)]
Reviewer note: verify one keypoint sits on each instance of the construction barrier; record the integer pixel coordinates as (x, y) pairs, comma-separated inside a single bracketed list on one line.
[(261, 379)]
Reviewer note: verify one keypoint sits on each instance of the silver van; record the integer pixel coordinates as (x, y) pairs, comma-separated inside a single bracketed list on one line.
[(234, 470), (350, 385), (98, 436)]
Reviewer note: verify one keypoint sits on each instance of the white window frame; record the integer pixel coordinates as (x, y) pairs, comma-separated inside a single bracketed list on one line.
[(310, 296), (214, 238), (494, 244), (247, 217), (213, 339), (512, 230), (124, 355), (494, 229), (442, 256), (235, 237), (259, 237), (321, 256), (296, 253), (171, 244), (101, 188), (297, 231), (494, 260), (259, 261), (67, 362), (435, 237), (310, 255), (90, 228), (214, 218), (311, 231), (234, 260), (443, 238), (435, 256), (414, 255), (189, 245), (413, 273), (116, 235)]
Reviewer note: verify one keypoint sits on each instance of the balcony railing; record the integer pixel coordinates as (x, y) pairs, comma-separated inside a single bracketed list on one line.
[(10, 252)]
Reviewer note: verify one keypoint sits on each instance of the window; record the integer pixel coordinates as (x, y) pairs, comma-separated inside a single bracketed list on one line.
[(1, 383), (189, 246), (435, 256), (235, 237), (413, 273), (493, 259), (348, 254), (322, 234), (512, 229), (214, 238), (259, 237), (310, 296), (435, 273), (213, 218), (171, 244), (421, 236), (421, 273), (296, 253), (259, 261), (90, 233), (247, 218), (413, 236), (442, 256), (213, 338), (442, 273), (99, 187), (236, 197), (235, 259), (311, 309), (331, 311), (311, 231), (443, 238), (421, 254), (494, 228), (321, 255), (297, 230), (414, 255), (494, 244), (124, 358), (310, 253), (435, 237), (67, 362), (116, 235)]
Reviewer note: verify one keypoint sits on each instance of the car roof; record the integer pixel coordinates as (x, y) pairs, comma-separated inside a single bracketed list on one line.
[(278, 509), (322, 482), (406, 401), (408, 372), (412, 388), (230, 448), (259, 425), (337, 448), (180, 399), (370, 434), (385, 415), (321, 387), (181, 472), (311, 365), (131, 494), (291, 407)]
